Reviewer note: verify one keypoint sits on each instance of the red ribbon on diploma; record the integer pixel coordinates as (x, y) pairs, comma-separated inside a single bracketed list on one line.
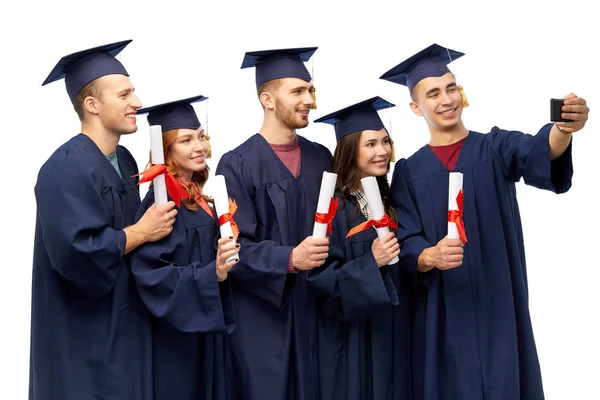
[(228, 217), (385, 221), (176, 191), (456, 216), (323, 218)]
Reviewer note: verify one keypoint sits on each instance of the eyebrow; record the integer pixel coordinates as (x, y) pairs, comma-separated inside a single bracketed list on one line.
[(302, 88), (128, 90), (377, 139), (189, 135), (431, 91), (448, 86)]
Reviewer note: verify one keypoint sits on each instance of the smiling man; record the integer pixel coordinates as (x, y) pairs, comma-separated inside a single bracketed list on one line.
[(90, 334), (472, 333), (275, 178)]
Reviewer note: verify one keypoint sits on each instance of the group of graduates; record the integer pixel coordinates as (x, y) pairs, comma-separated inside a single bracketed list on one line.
[(133, 300)]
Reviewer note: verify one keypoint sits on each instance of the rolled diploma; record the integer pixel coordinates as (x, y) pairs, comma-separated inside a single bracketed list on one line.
[(221, 199), (455, 184), (156, 148), (325, 195), (371, 189)]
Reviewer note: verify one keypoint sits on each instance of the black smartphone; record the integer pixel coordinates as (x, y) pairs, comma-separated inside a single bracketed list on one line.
[(556, 110)]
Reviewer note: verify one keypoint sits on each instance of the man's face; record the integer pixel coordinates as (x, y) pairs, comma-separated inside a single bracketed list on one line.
[(438, 100), (119, 104), (293, 102)]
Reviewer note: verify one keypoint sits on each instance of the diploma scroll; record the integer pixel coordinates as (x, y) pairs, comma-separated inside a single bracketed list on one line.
[(156, 147), (371, 189), (221, 199), (456, 227), (325, 198)]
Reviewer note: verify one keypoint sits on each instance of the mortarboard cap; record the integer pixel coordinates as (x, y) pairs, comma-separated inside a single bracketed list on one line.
[(357, 117), (276, 64), (429, 62), (177, 114), (79, 69)]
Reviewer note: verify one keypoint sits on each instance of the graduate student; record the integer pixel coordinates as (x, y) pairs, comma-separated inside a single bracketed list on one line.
[(90, 333), (182, 279), (472, 334), (364, 322), (275, 178)]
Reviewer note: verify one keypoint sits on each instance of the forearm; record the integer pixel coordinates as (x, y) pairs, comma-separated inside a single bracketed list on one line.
[(134, 238), (559, 142), (426, 260)]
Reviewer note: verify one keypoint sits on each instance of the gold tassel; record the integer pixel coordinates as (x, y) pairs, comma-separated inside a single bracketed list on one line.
[(465, 102), (313, 94), (393, 156), (209, 154)]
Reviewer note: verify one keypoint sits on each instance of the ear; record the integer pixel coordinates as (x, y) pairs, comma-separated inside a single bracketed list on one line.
[(91, 105), (415, 108), (267, 100)]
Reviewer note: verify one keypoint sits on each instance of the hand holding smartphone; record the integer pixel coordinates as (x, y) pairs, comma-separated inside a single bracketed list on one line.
[(556, 110)]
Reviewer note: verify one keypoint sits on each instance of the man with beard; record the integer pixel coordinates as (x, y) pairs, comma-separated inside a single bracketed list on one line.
[(275, 178), (90, 333)]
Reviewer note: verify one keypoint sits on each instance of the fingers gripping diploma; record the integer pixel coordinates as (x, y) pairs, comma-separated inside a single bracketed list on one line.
[(311, 253), (227, 256), (385, 249)]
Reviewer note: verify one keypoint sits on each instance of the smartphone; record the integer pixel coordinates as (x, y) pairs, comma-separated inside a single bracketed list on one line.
[(556, 110)]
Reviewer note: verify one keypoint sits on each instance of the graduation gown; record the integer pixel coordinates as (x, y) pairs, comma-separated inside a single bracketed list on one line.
[(177, 281), (272, 353), (90, 334), (364, 322), (472, 330)]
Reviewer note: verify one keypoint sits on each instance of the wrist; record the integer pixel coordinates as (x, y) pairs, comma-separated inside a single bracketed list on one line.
[(292, 259), (561, 130), (424, 262)]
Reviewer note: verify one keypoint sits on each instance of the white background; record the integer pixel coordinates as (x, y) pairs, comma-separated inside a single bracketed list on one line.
[(518, 56)]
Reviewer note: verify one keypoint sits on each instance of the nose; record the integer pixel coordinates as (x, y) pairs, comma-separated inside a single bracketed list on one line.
[(307, 99), (446, 98), (135, 102), (200, 145), (384, 149)]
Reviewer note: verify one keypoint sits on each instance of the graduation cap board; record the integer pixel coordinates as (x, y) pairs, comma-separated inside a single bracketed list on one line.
[(281, 63), (357, 117), (177, 114), (80, 68), (430, 62)]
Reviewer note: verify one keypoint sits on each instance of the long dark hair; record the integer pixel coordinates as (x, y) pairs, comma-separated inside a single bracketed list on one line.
[(344, 165)]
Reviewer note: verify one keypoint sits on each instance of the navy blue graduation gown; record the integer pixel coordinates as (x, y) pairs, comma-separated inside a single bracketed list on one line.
[(472, 330), (90, 333), (272, 354), (364, 322), (177, 281)]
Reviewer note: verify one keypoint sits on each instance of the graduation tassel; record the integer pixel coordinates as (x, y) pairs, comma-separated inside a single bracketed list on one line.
[(313, 92), (465, 102), (393, 156), (206, 135)]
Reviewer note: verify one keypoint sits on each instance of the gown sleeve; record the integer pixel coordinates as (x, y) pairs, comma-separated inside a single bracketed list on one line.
[(188, 298)]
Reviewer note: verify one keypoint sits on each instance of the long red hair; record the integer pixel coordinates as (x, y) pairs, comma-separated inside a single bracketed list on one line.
[(199, 178)]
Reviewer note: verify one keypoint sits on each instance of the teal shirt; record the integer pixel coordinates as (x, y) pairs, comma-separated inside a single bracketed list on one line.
[(114, 160)]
